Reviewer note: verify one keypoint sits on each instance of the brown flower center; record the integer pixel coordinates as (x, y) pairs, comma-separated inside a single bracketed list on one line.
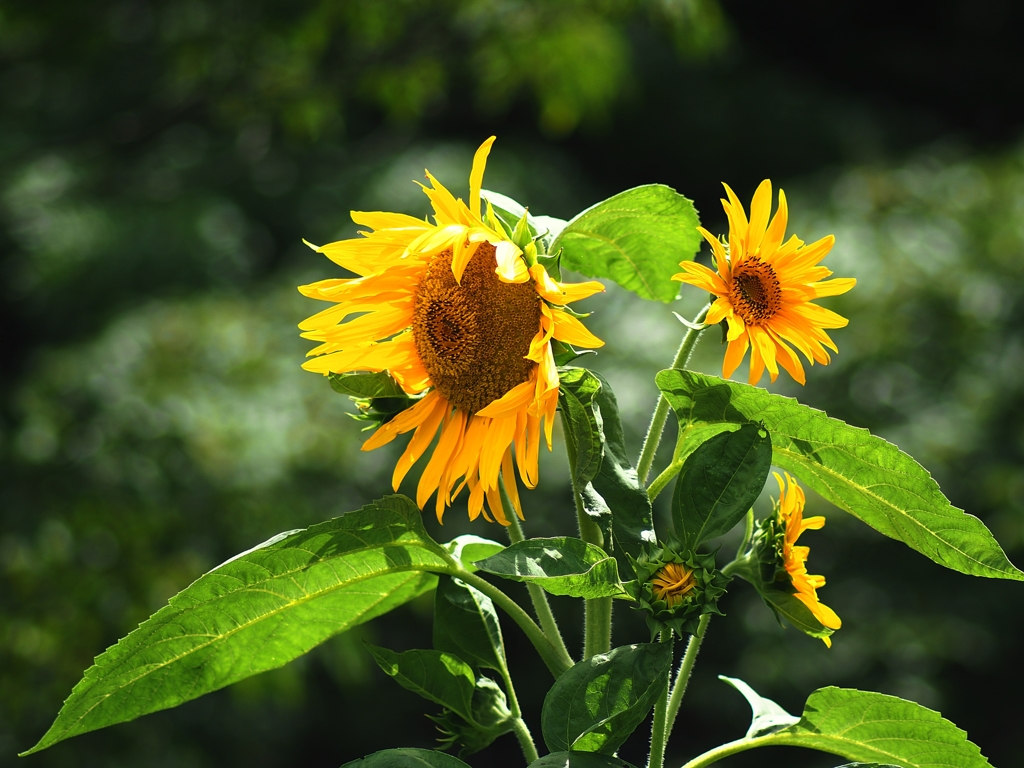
[(755, 293), (473, 338), (673, 583)]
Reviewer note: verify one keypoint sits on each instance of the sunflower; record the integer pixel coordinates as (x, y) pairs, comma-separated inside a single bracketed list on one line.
[(765, 289), (673, 583), (462, 318), (794, 558)]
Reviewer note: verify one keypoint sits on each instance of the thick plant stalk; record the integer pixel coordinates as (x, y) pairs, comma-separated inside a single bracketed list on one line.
[(685, 669), (659, 728), (597, 630)]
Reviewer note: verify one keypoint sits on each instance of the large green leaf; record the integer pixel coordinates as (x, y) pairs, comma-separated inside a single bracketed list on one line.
[(636, 238), (468, 548), (719, 482), (863, 474), (597, 704), (407, 757), (256, 612), (870, 728), (465, 623), (577, 393), (579, 760), (441, 677), (875, 728), (561, 565), (614, 497)]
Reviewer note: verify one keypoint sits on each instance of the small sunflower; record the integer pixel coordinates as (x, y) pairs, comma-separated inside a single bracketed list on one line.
[(765, 289), (794, 559), (673, 583), (458, 313)]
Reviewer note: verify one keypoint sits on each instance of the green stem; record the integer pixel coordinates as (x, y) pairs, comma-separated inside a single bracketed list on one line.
[(663, 479), (518, 724), (643, 464), (748, 534), (598, 618), (732, 748), (683, 677), (659, 731), (557, 660), (525, 740), (538, 596), (597, 622)]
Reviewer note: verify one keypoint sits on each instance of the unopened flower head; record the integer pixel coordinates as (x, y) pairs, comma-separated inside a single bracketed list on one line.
[(765, 288), (675, 590), (463, 317)]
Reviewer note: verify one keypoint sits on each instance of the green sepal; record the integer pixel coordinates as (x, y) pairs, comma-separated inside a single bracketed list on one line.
[(491, 719), (703, 599), (565, 353), (377, 396)]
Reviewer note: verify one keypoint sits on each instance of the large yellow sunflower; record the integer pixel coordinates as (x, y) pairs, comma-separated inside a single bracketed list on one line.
[(458, 313), (791, 517), (765, 289)]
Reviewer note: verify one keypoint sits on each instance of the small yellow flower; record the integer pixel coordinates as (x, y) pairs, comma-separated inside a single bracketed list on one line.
[(455, 311), (791, 518), (673, 583), (765, 288)]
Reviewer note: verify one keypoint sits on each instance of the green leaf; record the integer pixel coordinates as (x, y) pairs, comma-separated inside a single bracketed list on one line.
[(786, 606), (766, 716), (719, 482), (440, 677), (366, 385), (597, 704), (614, 498), (577, 392), (256, 612), (466, 624), (579, 760), (636, 238), (875, 728), (407, 757), (469, 548), (561, 565), (865, 475)]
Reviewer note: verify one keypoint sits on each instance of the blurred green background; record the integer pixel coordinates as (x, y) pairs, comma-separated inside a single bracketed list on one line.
[(161, 161)]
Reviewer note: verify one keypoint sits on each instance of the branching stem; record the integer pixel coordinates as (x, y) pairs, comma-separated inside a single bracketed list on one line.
[(538, 596), (643, 465)]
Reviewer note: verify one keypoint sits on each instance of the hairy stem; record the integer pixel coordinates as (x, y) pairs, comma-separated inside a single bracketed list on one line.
[(643, 464), (538, 596), (659, 731), (685, 669), (525, 740), (731, 748), (597, 625), (518, 724)]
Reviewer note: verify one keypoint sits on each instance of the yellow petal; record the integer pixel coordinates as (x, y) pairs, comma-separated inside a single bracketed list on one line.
[(570, 330), (510, 266), (760, 209), (476, 176)]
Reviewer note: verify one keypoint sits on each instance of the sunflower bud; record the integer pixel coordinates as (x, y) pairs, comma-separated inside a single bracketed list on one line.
[(675, 591), (491, 719)]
